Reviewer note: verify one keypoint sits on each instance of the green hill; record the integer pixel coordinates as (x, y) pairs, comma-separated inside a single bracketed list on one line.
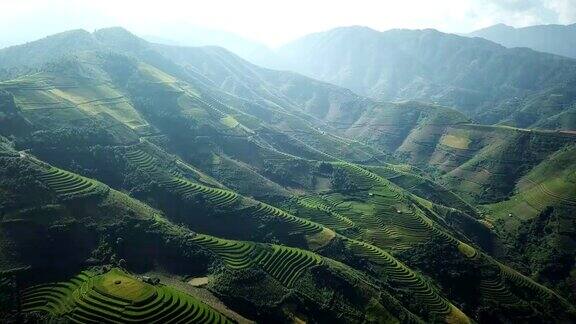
[(75, 231), (480, 163), (254, 195)]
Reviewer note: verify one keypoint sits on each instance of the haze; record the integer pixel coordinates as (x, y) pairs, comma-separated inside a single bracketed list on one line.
[(272, 22)]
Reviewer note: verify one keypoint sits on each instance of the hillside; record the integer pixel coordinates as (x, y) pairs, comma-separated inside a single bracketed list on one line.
[(254, 195), (486, 81), (555, 39), (241, 256), (116, 229), (537, 219)]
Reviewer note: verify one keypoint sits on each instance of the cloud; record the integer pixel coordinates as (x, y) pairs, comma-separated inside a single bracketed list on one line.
[(272, 22), (516, 5), (521, 13), (542, 11), (565, 9)]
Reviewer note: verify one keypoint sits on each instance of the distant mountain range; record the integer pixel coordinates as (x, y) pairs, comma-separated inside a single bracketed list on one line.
[(487, 81), (555, 39)]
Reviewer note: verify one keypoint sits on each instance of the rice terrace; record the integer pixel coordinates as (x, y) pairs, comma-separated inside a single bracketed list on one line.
[(315, 162)]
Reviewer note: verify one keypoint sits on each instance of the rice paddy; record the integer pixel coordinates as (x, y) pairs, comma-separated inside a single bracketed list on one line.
[(116, 297)]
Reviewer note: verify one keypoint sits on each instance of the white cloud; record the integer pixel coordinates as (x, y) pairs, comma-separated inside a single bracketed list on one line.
[(273, 22), (566, 10)]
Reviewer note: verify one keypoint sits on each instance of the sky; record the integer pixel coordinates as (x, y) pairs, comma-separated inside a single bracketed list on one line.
[(271, 22)]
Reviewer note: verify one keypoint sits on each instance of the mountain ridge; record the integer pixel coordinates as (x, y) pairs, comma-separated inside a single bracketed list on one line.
[(481, 78), (552, 38)]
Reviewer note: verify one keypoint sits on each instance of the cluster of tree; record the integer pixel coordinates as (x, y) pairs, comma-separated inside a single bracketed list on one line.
[(451, 269), (67, 136), (341, 181), (7, 104), (547, 245), (292, 173), (18, 182)]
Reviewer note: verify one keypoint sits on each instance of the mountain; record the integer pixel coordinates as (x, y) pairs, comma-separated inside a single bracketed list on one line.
[(250, 50), (486, 81), (51, 47), (555, 39), (252, 195)]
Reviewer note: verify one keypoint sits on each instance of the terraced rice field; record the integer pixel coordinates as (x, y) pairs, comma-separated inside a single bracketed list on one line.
[(403, 278), (500, 288), (296, 224), (409, 219), (388, 218), (143, 160), (365, 179), (385, 222), (216, 197), (515, 278), (404, 227), (235, 254), (285, 264), (544, 190), (550, 184), (220, 198), (67, 184), (385, 171), (494, 290), (116, 297), (327, 216)]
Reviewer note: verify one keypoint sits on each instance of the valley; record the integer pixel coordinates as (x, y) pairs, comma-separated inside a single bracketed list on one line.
[(129, 169)]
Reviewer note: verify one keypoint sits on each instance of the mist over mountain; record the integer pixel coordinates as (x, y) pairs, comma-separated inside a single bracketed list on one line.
[(250, 50), (555, 39)]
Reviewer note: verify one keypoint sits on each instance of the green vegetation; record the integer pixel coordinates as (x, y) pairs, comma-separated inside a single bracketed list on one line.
[(296, 224), (403, 277), (68, 185), (328, 216), (548, 184), (455, 141), (287, 264), (281, 198), (217, 197), (115, 296), (146, 163), (236, 255)]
